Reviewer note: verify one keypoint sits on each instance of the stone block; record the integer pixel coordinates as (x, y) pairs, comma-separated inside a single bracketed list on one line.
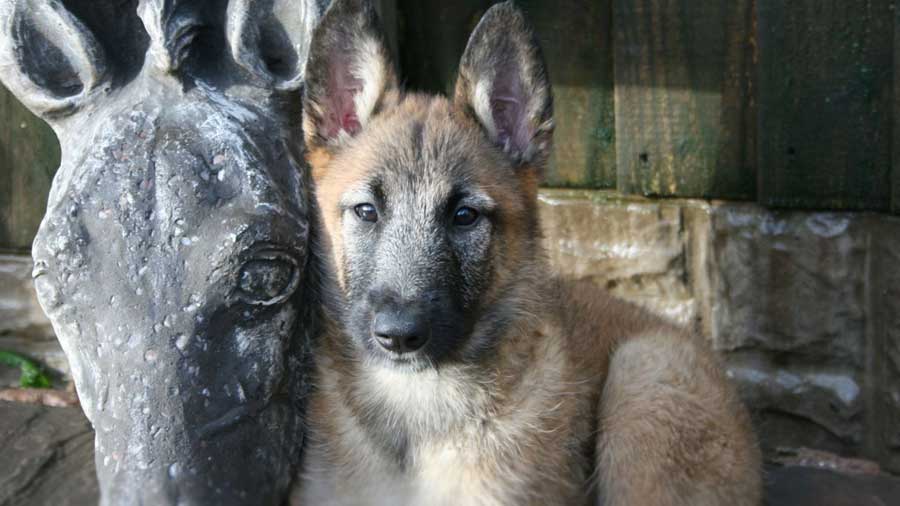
[(789, 282), (20, 313), (804, 306), (633, 247), (885, 296), (788, 307), (23, 326)]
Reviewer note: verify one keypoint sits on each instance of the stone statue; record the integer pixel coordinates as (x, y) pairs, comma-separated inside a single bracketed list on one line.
[(174, 256)]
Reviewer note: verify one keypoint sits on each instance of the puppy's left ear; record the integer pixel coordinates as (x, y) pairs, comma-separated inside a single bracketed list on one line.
[(348, 73), (503, 82)]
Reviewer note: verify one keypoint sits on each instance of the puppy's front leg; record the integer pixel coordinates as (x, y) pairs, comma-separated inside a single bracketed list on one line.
[(672, 430)]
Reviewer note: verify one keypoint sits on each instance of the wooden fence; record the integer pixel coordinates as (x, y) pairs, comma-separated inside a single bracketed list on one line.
[(788, 103)]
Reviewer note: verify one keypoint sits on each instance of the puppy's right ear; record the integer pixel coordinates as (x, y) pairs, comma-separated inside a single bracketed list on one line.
[(348, 73)]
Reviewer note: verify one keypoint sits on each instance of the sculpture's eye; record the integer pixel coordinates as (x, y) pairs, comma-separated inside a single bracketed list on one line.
[(268, 278)]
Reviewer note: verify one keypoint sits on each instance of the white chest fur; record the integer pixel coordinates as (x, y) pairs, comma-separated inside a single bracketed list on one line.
[(460, 452)]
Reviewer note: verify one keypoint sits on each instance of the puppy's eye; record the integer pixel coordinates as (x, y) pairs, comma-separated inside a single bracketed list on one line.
[(366, 212), (465, 216)]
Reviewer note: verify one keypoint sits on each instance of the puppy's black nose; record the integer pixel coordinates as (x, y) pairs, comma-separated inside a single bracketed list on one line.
[(399, 332)]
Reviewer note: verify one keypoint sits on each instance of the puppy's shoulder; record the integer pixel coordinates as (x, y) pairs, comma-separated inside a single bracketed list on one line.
[(593, 322)]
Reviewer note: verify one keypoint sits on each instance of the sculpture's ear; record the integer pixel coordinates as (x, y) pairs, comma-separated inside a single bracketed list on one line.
[(48, 59), (348, 73), (503, 83), (270, 39)]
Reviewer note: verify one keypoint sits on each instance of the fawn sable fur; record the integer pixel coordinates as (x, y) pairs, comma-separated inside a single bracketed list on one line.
[(508, 386)]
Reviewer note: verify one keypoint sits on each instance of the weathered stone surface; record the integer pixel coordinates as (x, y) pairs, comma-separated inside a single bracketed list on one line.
[(805, 306), (47, 457), (173, 259), (788, 306), (885, 296), (636, 248), (804, 486), (790, 282), (23, 326), (20, 313)]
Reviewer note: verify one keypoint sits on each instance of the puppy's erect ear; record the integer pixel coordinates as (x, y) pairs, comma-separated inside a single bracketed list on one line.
[(503, 83), (348, 73)]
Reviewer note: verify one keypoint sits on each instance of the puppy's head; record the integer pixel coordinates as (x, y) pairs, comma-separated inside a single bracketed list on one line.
[(428, 204)]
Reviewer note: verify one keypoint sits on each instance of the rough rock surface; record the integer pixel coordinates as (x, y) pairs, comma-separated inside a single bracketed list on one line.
[(48, 461), (23, 326), (805, 306), (48, 457)]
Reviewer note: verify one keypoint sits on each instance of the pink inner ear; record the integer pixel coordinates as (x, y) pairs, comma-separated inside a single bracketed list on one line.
[(507, 113), (508, 110), (340, 106)]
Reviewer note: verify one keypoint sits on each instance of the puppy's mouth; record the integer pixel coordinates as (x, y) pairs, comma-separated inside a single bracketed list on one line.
[(411, 361)]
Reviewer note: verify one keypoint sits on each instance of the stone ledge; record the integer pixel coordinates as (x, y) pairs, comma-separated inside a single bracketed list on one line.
[(49, 460), (20, 312)]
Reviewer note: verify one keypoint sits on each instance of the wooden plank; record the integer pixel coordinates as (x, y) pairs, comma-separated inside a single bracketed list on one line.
[(685, 114), (895, 166), (577, 43), (825, 103), (29, 156)]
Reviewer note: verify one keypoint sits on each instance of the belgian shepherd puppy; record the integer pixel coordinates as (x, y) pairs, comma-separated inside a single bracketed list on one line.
[(458, 370)]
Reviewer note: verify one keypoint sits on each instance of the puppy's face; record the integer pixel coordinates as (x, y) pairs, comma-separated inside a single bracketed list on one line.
[(427, 204)]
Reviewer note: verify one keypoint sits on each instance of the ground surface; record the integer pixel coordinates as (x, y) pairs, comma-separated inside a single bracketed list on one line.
[(47, 459)]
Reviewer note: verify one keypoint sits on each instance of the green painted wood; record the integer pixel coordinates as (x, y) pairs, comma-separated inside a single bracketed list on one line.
[(895, 166), (685, 114), (29, 156), (577, 43), (825, 103)]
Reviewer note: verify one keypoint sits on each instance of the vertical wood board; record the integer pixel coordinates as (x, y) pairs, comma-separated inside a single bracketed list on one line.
[(576, 39), (826, 103), (685, 112), (29, 157)]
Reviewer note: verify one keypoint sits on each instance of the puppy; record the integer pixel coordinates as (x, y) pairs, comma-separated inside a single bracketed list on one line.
[(458, 370)]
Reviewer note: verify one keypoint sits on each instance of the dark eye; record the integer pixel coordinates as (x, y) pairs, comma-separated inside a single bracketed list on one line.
[(268, 279), (465, 216), (366, 212)]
